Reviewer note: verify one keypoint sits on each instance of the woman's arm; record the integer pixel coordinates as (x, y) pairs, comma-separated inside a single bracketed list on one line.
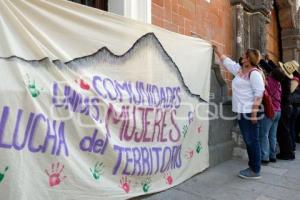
[(294, 85), (258, 86), (255, 108), (229, 64), (218, 53)]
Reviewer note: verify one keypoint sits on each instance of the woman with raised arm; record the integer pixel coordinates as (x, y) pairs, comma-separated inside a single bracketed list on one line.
[(247, 92)]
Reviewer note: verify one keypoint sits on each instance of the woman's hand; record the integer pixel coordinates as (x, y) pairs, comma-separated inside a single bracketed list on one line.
[(255, 109), (254, 117), (217, 51)]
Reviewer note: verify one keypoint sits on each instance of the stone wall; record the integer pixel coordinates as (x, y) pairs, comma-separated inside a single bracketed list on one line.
[(220, 138)]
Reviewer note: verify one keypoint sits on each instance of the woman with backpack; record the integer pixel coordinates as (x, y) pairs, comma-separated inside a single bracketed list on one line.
[(268, 126), (247, 92)]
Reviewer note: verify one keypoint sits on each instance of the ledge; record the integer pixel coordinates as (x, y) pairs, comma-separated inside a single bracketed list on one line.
[(262, 8), (226, 100)]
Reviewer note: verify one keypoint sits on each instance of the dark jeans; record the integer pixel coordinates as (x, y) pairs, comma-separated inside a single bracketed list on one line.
[(284, 136), (250, 134), (294, 117), (268, 138)]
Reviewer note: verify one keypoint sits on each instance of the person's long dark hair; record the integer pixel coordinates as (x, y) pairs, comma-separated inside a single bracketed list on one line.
[(278, 74), (296, 74)]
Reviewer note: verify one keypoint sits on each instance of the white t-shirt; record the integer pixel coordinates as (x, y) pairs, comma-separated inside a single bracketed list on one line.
[(244, 89)]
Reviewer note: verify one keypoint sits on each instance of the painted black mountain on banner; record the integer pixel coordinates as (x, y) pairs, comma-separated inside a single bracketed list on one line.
[(105, 52)]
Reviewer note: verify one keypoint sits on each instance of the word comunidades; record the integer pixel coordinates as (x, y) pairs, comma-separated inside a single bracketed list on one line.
[(138, 93)]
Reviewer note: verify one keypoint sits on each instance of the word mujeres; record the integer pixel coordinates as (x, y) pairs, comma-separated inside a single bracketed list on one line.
[(139, 124)]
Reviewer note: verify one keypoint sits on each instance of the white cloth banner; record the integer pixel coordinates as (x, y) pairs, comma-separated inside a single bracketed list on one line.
[(97, 106)]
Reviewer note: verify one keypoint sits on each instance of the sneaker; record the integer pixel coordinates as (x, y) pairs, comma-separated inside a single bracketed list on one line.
[(285, 157), (249, 174), (273, 160)]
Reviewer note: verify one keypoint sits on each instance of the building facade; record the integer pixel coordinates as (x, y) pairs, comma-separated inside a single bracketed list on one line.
[(272, 26)]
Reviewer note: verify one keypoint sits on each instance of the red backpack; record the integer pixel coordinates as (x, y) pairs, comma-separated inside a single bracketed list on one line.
[(266, 101)]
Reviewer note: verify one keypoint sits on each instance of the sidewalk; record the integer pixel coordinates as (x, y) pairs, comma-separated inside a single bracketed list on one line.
[(280, 181)]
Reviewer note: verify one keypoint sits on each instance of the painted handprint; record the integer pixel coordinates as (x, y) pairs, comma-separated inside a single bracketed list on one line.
[(97, 171), (2, 175), (185, 130), (33, 88), (199, 129), (83, 85), (198, 147), (55, 177), (168, 177), (189, 154), (125, 184), (146, 184)]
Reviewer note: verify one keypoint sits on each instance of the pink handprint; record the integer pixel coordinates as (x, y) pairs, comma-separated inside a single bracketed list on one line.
[(189, 154), (55, 175), (83, 84), (199, 129), (125, 184), (168, 177)]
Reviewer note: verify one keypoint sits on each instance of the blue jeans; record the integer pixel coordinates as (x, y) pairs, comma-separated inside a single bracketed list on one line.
[(268, 136), (250, 134)]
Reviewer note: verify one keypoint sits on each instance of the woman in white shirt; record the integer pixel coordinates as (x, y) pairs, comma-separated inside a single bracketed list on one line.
[(247, 92)]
